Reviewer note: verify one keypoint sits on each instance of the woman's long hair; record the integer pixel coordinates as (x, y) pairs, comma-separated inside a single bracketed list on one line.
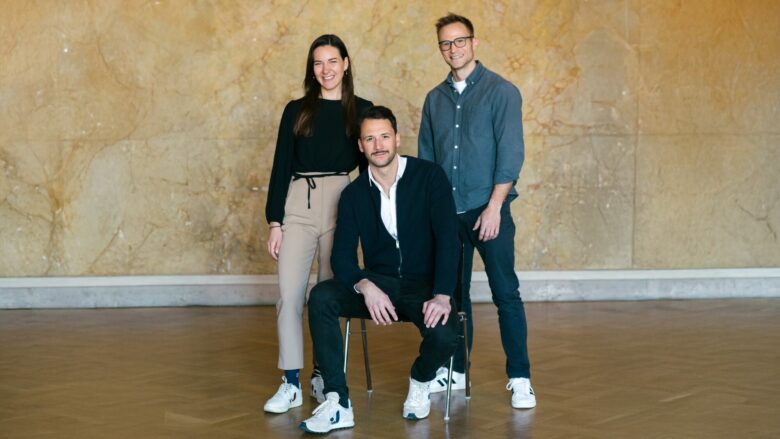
[(303, 124)]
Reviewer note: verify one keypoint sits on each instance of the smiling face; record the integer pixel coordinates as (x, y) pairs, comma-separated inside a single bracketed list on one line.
[(329, 68), (458, 58), (378, 142)]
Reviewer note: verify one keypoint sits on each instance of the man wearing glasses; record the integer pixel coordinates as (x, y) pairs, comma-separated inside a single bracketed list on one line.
[(472, 127)]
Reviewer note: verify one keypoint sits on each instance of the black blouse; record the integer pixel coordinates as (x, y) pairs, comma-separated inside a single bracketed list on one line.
[(329, 149)]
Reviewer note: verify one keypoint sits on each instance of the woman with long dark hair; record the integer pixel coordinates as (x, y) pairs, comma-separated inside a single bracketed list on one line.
[(315, 150)]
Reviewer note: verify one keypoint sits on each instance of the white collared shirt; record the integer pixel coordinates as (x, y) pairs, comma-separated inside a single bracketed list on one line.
[(388, 210)]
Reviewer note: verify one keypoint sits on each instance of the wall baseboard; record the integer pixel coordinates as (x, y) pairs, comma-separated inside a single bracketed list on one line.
[(240, 290)]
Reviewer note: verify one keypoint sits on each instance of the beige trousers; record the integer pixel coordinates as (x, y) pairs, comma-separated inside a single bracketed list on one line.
[(306, 231)]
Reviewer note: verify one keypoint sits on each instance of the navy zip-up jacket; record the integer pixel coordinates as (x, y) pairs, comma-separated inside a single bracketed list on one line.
[(428, 243)]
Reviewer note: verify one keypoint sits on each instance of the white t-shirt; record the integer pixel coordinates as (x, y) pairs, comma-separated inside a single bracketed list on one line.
[(459, 85)]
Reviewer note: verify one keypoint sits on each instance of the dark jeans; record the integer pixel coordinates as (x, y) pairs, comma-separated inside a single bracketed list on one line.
[(498, 254), (330, 300)]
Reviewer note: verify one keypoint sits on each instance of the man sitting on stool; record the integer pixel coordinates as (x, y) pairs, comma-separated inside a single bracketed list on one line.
[(403, 214)]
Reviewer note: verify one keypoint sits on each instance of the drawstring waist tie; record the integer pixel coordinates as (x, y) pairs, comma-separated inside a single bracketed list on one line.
[(309, 177)]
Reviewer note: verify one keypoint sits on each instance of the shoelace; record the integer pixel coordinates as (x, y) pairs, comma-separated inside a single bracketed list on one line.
[(519, 384), (509, 385), (327, 407), (286, 387), (284, 391)]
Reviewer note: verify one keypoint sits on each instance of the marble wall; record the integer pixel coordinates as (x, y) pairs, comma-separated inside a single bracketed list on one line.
[(136, 137)]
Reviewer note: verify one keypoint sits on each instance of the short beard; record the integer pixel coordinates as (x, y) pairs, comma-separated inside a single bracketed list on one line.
[(390, 158)]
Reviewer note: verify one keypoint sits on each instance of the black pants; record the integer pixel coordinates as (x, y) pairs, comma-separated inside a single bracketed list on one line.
[(330, 300), (499, 257)]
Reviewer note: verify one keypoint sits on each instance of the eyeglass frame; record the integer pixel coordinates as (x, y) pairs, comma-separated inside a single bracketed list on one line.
[(451, 43)]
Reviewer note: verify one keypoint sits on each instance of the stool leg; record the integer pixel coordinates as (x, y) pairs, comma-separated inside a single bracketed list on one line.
[(369, 386), (449, 390), (346, 344), (464, 320)]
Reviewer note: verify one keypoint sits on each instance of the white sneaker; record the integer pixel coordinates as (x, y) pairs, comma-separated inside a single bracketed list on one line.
[(439, 384), (287, 397), (523, 396), (418, 400), (329, 415), (317, 387)]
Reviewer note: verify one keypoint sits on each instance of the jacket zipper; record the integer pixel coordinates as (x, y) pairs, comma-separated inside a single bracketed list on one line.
[(400, 258)]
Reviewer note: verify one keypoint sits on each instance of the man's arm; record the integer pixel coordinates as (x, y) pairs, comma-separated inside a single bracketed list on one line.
[(425, 136), (510, 152), (507, 119), (489, 220), (344, 261), (378, 303), (444, 226), (436, 309), (343, 257)]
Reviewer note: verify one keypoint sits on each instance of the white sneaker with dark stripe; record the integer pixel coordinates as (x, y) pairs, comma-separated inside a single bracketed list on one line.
[(439, 384), (329, 416), (523, 396), (418, 400), (287, 397)]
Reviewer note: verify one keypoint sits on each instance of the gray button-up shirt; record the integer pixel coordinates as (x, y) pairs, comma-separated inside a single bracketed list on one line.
[(476, 136)]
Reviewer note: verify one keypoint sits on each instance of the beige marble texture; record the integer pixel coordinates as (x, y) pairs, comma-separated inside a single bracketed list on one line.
[(136, 136), (708, 201), (710, 67), (575, 207)]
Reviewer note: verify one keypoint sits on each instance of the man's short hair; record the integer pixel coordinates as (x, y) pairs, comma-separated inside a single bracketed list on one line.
[(454, 18), (379, 112)]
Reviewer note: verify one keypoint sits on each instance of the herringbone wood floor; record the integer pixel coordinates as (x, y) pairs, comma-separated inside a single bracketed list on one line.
[(672, 369)]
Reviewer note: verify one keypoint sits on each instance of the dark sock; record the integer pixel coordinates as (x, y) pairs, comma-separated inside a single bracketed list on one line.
[(293, 377), (344, 401)]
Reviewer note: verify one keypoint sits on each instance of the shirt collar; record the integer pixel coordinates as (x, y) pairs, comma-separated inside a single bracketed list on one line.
[(472, 78), (398, 174)]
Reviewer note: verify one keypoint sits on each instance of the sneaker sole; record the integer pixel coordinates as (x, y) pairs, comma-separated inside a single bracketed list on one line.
[(414, 417), (277, 411), (339, 427), (524, 406)]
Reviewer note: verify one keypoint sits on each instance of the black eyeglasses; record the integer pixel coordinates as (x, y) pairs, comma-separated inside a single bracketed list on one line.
[(445, 45)]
